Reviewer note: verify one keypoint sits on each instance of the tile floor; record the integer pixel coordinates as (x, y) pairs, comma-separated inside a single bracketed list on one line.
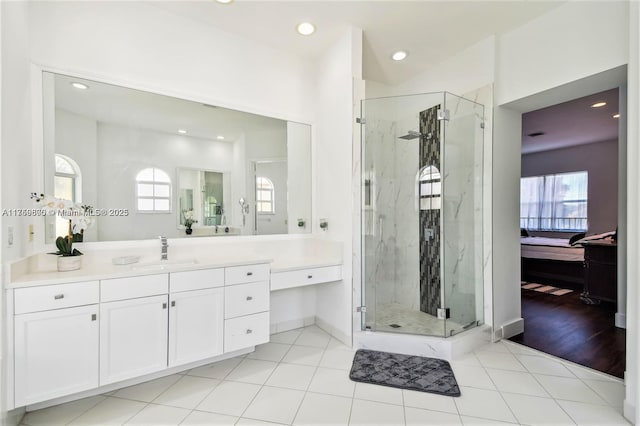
[(301, 378)]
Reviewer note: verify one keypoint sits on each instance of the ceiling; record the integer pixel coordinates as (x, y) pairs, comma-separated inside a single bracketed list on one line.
[(112, 104), (430, 31), (571, 123)]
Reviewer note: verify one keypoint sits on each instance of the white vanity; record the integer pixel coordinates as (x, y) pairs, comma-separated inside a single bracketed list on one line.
[(105, 327)]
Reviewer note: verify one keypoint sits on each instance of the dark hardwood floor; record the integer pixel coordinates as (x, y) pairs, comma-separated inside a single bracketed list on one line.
[(565, 327)]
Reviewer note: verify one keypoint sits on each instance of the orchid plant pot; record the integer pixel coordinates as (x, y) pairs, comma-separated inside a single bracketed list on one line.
[(69, 263)]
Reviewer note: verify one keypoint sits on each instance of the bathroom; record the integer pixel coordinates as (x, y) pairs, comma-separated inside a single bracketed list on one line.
[(202, 60)]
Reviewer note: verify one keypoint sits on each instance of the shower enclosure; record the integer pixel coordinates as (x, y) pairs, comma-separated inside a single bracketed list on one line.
[(422, 214)]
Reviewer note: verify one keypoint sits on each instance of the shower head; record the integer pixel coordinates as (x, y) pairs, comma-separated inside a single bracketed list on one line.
[(412, 134)]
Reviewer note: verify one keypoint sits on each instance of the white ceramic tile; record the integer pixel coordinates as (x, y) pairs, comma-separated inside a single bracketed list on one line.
[(291, 376), (254, 422), (318, 409), (569, 389), (494, 347), (230, 398), (533, 410), (500, 361), (612, 392), (217, 370), (187, 392), (274, 405), (429, 401), (518, 349), (148, 391), (337, 358), (333, 382), (516, 382), (111, 411), (467, 359), (252, 371), (304, 355), (376, 413), (159, 415), (378, 393), (543, 365), (475, 421), (587, 373), (287, 337), (470, 375), (269, 352), (417, 417), (587, 414), (313, 336), (61, 414), (337, 344), (202, 418), (483, 403)]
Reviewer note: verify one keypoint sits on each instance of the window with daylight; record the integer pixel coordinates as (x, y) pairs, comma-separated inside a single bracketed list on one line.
[(67, 185), (153, 191), (554, 202), (264, 196)]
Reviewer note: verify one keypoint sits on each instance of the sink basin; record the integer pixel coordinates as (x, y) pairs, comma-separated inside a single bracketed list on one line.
[(164, 264)]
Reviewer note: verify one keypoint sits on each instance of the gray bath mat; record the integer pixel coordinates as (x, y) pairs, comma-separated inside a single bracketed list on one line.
[(404, 372)]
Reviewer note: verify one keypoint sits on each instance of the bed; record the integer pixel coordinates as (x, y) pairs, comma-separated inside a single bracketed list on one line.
[(552, 261)]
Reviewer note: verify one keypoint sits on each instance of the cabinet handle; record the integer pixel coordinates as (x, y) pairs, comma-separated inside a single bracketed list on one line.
[(309, 276), (58, 296), (94, 317), (249, 298), (164, 306), (173, 303), (249, 331), (249, 274)]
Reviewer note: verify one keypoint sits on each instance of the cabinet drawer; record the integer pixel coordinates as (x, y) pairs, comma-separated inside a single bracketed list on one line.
[(133, 287), (244, 332), (196, 280), (49, 297), (246, 274), (246, 299), (303, 277)]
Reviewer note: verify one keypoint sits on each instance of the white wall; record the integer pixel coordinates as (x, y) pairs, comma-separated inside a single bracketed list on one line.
[(575, 40), (337, 69), (299, 172), (124, 152)]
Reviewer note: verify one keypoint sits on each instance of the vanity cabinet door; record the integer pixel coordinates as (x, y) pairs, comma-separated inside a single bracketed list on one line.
[(56, 353), (196, 325), (133, 338)]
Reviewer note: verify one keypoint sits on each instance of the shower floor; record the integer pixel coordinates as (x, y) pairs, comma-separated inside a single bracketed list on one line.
[(391, 315)]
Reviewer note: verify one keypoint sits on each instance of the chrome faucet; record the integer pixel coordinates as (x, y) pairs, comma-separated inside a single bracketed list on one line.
[(165, 246)]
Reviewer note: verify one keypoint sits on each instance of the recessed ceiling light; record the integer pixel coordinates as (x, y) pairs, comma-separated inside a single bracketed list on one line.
[(224, 1), (182, 131), (616, 115), (79, 85), (598, 105), (399, 55), (220, 138), (306, 28)]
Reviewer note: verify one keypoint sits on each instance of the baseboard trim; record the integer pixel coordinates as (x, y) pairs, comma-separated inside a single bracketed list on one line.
[(629, 411), (621, 320), (512, 328), (13, 417), (333, 331), (283, 326)]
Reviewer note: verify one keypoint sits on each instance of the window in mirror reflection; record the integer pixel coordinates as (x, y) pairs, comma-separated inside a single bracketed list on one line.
[(265, 196), (66, 185), (153, 191)]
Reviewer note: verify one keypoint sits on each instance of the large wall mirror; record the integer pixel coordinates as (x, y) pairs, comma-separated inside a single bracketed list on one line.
[(148, 162)]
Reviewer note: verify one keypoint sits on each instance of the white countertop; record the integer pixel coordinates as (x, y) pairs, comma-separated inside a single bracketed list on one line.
[(40, 269)]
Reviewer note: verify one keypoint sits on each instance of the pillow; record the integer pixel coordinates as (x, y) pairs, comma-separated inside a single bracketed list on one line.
[(524, 233), (595, 237), (575, 238)]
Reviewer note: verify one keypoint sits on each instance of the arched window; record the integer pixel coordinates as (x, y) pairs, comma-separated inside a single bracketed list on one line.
[(429, 188), (265, 203), (153, 191), (67, 185)]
